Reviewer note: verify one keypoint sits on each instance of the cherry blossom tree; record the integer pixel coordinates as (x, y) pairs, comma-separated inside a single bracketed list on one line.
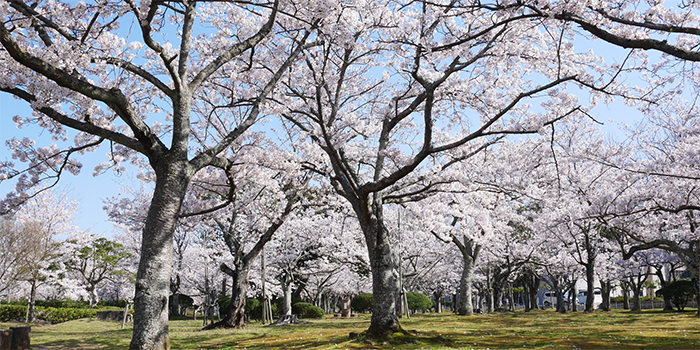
[(15, 246), (393, 88), (44, 221), (260, 208), (201, 70)]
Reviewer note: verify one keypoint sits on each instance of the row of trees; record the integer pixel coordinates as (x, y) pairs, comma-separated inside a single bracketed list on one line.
[(377, 104), (45, 257)]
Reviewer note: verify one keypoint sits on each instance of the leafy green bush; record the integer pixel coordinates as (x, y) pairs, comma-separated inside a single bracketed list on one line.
[(363, 302), (680, 292), (50, 314), (418, 301), (253, 305), (65, 303), (58, 315), (307, 310), (12, 312)]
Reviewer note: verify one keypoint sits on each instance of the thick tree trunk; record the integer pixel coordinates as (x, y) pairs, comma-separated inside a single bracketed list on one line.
[(590, 287), (636, 305), (235, 317), (385, 291), (498, 297), (526, 296), (625, 295), (153, 278), (466, 307), (561, 307), (287, 296), (605, 288), (31, 310), (470, 252), (94, 297)]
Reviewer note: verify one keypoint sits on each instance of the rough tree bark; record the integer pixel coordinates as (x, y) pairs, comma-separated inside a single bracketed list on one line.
[(590, 287), (153, 278), (31, 309), (287, 284), (385, 291), (470, 252), (605, 289)]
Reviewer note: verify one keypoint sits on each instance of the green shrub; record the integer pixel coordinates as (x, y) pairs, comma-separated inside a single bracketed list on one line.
[(12, 312), (253, 308), (418, 301), (363, 302), (224, 304), (50, 314), (65, 303), (307, 310), (58, 315), (680, 292)]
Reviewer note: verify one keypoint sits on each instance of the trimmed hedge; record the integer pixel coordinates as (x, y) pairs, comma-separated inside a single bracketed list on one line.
[(58, 315), (418, 301), (66, 303), (50, 314), (12, 312), (362, 302), (307, 310)]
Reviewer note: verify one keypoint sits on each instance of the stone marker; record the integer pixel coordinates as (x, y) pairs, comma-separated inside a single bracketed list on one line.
[(20, 338), (5, 339)]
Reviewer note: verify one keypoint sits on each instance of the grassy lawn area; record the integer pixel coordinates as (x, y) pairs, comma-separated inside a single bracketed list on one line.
[(518, 330)]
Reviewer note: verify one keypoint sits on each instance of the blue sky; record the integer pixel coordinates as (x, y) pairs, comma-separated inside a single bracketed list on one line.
[(89, 191)]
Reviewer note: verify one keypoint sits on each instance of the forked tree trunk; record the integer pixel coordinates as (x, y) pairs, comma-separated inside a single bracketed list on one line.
[(470, 252), (155, 266), (94, 297), (235, 317)]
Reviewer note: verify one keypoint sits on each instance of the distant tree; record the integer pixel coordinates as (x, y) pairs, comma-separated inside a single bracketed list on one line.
[(95, 260), (14, 247), (36, 224)]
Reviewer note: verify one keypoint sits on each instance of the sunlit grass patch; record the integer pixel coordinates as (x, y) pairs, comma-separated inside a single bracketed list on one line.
[(534, 330)]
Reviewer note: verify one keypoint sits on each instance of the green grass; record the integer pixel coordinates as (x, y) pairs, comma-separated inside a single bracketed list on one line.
[(519, 330)]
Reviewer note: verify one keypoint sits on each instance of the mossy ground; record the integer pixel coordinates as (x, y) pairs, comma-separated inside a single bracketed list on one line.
[(512, 330)]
